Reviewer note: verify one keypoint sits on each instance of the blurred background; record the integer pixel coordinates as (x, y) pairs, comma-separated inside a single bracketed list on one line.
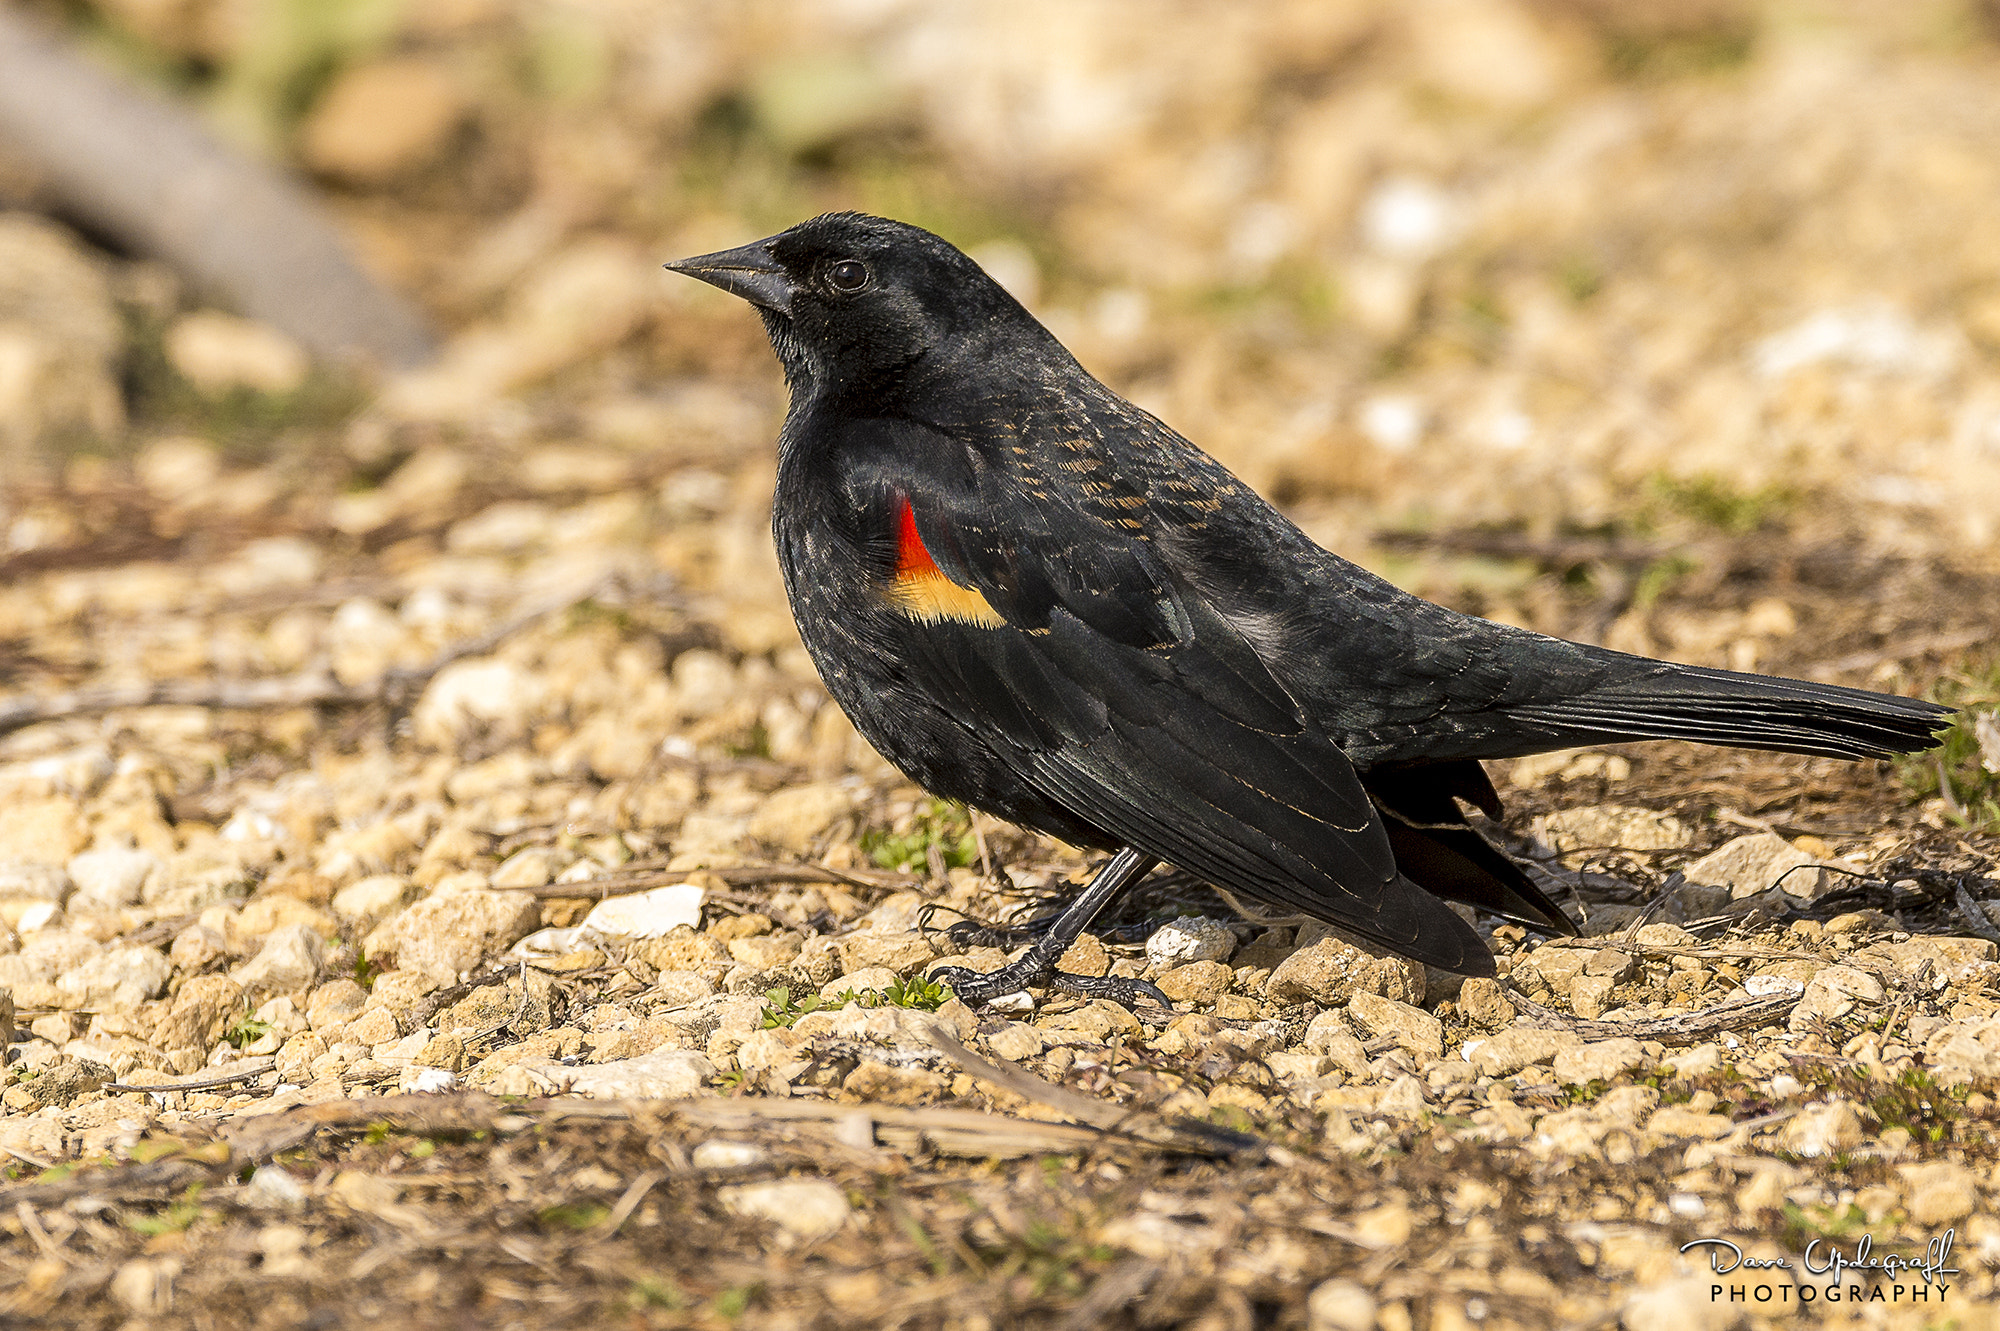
[(1668, 323)]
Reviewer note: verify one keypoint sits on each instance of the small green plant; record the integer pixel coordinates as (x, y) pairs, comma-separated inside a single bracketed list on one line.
[(732, 1303), (246, 1030), (573, 1215), (1803, 1224), (655, 1292), (913, 992), (1964, 771), (942, 823), (177, 1217), (1717, 503)]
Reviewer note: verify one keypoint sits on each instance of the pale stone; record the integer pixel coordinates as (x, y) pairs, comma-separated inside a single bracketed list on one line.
[(111, 877), (1340, 1305), (289, 962), (28, 880), (654, 913), (1410, 1027), (1517, 1047), (117, 979), (1752, 864), (1822, 1129), (802, 1209), (217, 352), (1939, 1192), (1578, 833), (368, 901), (1600, 1060), (1016, 1042), (793, 819), (669, 1074), (446, 935), (899, 952), (1199, 982), (335, 1003), (195, 947), (1187, 939)]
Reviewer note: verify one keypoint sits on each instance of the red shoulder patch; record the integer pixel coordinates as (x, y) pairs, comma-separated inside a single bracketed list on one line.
[(921, 590), (912, 559)]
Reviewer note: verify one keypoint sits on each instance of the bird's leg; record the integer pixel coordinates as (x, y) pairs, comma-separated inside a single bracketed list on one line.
[(1038, 964)]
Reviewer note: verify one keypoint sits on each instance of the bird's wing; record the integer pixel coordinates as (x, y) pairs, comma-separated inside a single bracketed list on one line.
[(1047, 623)]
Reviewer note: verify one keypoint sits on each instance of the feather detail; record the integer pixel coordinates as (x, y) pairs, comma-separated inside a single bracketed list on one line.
[(920, 589)]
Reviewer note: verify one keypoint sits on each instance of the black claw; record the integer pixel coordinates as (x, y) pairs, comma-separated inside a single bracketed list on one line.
[(1117, 988)]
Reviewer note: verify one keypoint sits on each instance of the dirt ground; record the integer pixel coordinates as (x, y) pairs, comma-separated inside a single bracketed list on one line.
[(435, 889)]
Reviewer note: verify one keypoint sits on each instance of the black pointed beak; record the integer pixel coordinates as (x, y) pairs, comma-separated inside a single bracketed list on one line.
[(750, 271)]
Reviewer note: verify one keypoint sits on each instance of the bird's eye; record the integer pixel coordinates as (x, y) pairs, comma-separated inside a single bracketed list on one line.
[(848, 275)]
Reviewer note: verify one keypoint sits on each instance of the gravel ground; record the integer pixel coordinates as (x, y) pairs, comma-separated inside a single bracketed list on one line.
[(435, 889)]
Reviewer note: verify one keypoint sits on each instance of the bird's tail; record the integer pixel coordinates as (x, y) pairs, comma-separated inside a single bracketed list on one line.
[(1659, 700)]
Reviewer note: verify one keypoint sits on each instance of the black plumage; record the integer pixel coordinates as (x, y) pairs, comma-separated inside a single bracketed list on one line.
[(1035, 597)]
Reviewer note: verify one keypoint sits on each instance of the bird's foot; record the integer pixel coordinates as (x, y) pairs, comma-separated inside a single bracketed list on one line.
[(974, 989), (978, 933)]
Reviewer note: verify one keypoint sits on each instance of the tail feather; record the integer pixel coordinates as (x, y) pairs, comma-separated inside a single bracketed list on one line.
[(1746, 711)]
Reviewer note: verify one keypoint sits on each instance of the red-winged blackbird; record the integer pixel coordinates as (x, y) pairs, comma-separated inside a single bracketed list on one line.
[(1034, 597)]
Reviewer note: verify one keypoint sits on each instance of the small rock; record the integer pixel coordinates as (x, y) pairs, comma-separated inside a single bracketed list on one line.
[(1411, 1028), (680, 988), (116, 979), (448, 934), (112, 877), (530, 867), (217, 352), (885, 1084), (1832, 994), (1517, 1047), (899, 952), (1086, 956), (1683, 1304), (144, 1286), (1328, 1034), (288, 963), (670, 1074), (1822, 1129), (196, 947), (1016, 1041), (802, 1209), (651, 914), (1197, 982), (366, 902), (1600, 1060), (1340, 1305), (717, 1154), (1187, 939), (28, 880), (1614, 962), (1752, 864), (1589, 995), (1485, 1004), (271, 1187), (484, 695), (793, 819), (1939, 1192), (868, 978), (1578, 833)]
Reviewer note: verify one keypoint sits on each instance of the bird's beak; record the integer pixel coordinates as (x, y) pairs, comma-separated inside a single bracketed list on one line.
[(750, 271)]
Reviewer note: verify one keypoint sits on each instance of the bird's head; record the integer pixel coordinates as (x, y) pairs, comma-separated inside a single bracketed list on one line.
[(853, 302)]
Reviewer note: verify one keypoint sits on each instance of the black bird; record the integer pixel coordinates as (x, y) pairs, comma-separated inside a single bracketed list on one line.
[(1036, 598)]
